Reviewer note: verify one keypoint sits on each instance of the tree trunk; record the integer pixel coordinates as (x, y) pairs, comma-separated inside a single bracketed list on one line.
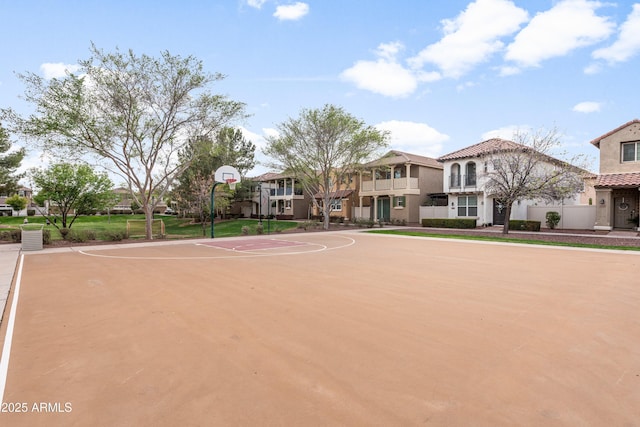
[(507, 215), (148, 216), (326, 210)]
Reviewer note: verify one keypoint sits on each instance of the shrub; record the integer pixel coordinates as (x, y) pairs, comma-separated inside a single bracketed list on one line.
[(260, 229), (16, 236), (244, 230), (364, 222), (5, 235), (553, 219), (46, 237), (31, 212), (77, 236), (449, 222), (64, 232), (113, 236), (516, 224)]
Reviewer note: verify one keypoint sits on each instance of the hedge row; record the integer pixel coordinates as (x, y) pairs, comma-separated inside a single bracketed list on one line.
[(516, 224), (449, 222)]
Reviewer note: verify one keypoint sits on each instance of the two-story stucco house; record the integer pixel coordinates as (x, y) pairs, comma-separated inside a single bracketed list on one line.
[(467, 172), (618, 184), (394, 186), (284, 199)]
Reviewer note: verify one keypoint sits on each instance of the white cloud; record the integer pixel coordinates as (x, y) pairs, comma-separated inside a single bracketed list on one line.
[(593, 69), (384, 76), (628, 43), (587, 107), (569, 25), (509, 70), (57, 70), (472, 37), (415, 138), (505, 132), (291, 12), (256, 3)]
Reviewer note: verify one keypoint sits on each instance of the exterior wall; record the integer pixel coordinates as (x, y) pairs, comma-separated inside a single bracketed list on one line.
[(572, 217), (611, 151), (433, 212)]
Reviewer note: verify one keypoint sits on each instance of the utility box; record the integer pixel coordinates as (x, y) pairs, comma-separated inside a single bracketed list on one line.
[(31, 237)]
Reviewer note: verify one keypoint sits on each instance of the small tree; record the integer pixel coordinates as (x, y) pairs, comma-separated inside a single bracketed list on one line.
[(72, 190), (17, 202), (9, 163), (553, 219), (524, 170), (131, 113), (321, 148)]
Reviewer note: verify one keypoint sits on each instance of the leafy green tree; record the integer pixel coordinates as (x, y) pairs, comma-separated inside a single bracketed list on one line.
[(9, 163), (17, 202), (72, 190), (193, 187), (321, 148), (232, 148), (133, 114)]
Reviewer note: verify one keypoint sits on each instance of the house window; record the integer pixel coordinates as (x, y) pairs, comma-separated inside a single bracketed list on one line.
[(631, 151), (467, 205), (287, 204), (470, 175), (397, 173), (399, 202), (455, 175), (336, 205)]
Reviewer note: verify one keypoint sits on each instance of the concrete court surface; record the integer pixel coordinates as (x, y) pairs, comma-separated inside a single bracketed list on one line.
[(334, 329)]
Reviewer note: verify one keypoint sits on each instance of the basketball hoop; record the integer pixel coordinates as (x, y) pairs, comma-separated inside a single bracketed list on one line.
[(231, 182)]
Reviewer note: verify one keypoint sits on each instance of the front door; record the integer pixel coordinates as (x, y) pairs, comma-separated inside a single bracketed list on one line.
[(384, 208), (623, 211), (499, 212)]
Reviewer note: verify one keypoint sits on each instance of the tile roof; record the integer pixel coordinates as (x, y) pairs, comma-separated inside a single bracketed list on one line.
[(485, 147), (395, 157), (618, 180), (596, 141)]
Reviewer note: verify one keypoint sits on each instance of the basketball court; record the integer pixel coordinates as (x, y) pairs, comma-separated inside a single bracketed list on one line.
[(322, 329)]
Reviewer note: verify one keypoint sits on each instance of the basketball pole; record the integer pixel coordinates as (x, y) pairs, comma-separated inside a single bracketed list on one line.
[(212, 213)]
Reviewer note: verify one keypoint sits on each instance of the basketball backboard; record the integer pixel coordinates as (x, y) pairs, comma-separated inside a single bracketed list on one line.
[(227, 174)]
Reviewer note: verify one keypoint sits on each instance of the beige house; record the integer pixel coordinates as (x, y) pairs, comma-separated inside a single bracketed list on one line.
[(393, 187), (618, 184)]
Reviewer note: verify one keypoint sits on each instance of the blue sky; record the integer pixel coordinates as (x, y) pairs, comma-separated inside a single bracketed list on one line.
[(439, 74)]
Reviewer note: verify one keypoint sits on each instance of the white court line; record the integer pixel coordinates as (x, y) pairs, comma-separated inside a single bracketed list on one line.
[(321, 248), (6, 349)]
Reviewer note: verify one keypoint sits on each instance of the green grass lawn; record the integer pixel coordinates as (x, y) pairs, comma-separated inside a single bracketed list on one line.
[(175, 228), (503, 239)]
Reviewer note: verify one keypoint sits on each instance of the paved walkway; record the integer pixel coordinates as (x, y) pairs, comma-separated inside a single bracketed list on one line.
[(8, 259)]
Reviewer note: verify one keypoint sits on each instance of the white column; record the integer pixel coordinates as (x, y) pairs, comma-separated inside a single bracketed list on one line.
[(375, 208)]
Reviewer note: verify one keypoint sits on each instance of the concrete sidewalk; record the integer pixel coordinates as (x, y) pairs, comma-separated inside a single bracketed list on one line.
[(9, 254)]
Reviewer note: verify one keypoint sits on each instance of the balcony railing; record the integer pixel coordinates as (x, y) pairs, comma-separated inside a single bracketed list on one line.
[(385, 184), (456, 180), (286, 191)]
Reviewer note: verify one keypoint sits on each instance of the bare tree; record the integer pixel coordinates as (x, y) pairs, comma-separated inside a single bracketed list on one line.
[(321, 148), (133, 114), (524, 169)]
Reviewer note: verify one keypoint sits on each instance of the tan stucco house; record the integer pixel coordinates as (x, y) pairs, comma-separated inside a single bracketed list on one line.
[(393, 187), (618, 184)]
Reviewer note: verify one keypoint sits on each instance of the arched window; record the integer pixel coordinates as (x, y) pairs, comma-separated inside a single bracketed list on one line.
[(470, 174), (455, 175)]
